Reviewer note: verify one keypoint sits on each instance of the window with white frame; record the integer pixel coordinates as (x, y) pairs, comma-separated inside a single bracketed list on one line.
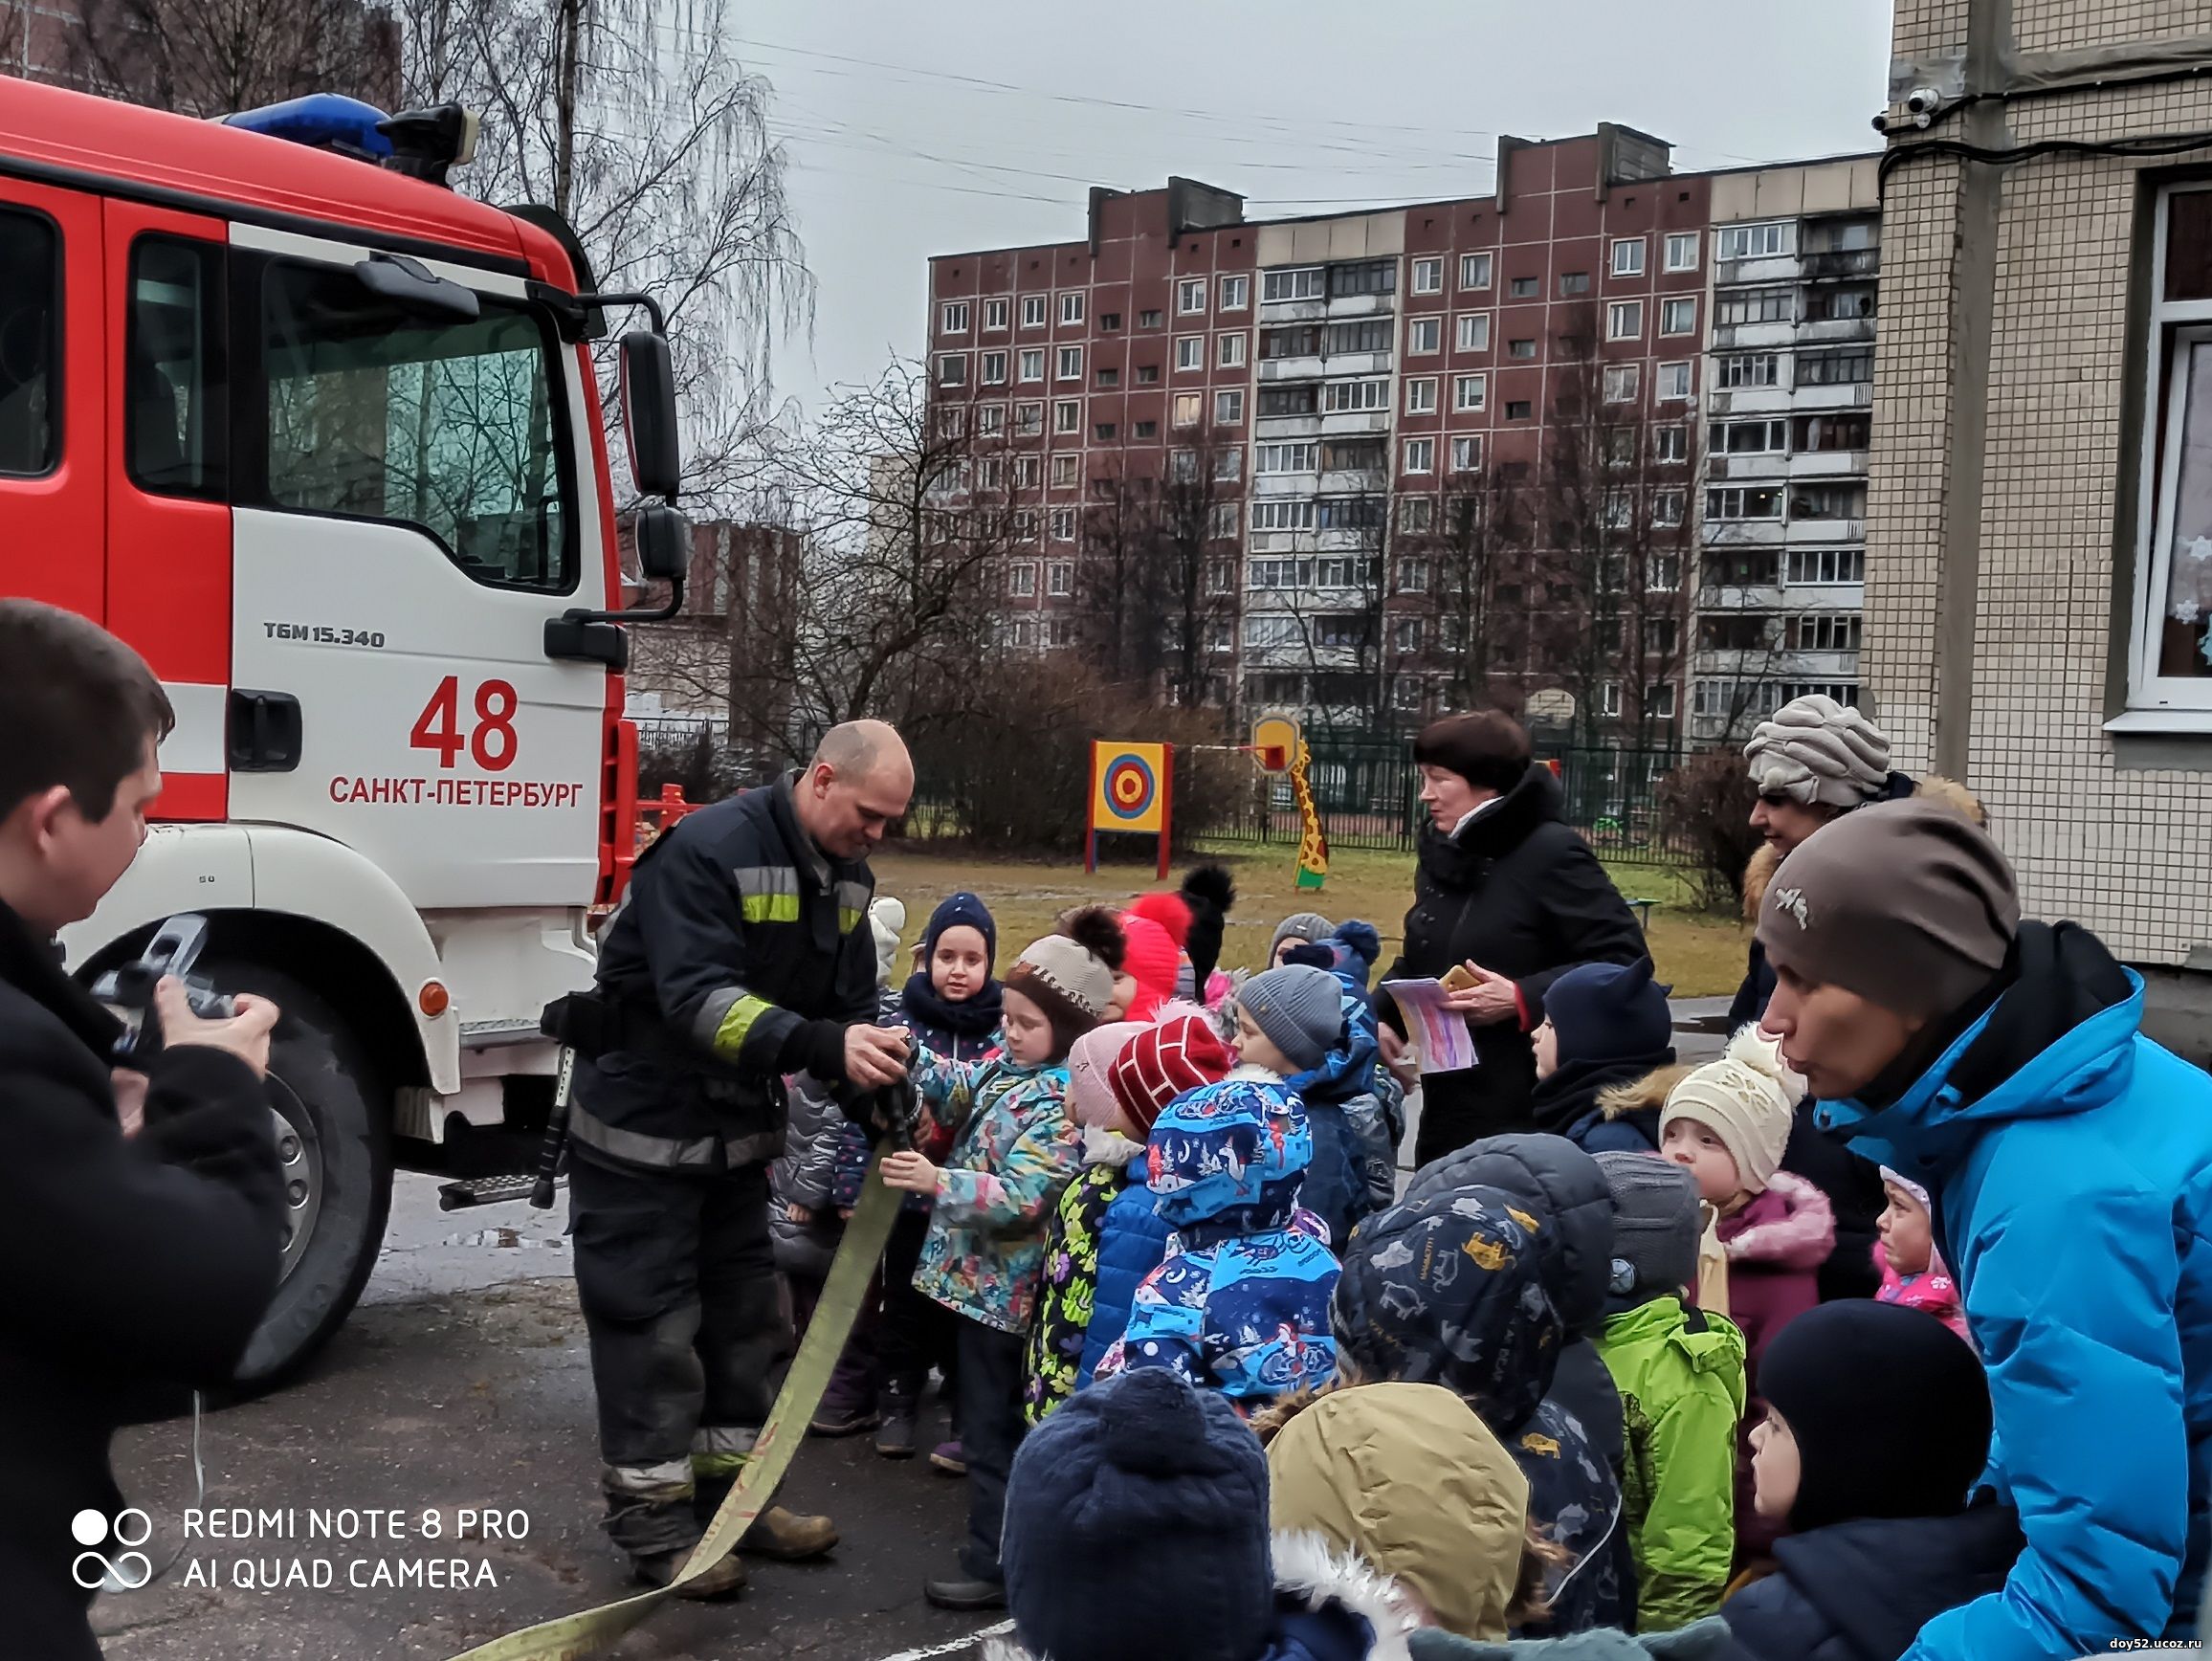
[(990, 420), (1627, 257), (1189, 353), (1236, 293), (1429, 276), (1273, 629), (1678, 316), (951, 421), (1343, 397), (994, 369), (994, 314), (1746, 502), (1666, 509), (1188, 408), (1029, 364), (1623, 382), (954, 319), (1072, 307), (1413, 576), (1474, 271), (1228, 464), (1473, 332), (1417, 514), (1682, 251), (1071, 362), (1190, 296), (952, 369), (1610, 699), (1623, 319), (1620, 509), (1282, 515), (1659, 700), (1744, 306), (1825, 567), (1424, 336), (1228, 410), (1060, 578), (991, 471), (1673, 381), (1029, 420), (1421, 396), (1406, 633), (1063, 524), (1221, 523), (1621, 447), (1747, 369), (1466, 453), (1064, 469), (1307, 283), (1026, 523), (1033, 311), (1293, 457), (1406, 692), (1768, 241), (2169, 661), (1229, 351), (1022, 581), (1027, 470), (1420, 455), (1671, 444), (1182, 467), (1469, 391), (1068, 415)]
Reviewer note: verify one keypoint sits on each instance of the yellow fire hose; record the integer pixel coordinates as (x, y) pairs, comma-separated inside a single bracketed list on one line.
[(576, 1637)]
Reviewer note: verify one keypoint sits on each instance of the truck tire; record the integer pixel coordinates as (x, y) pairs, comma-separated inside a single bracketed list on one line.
[(332, 1120)]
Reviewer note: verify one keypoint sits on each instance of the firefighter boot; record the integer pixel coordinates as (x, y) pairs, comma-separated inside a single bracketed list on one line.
[(649, 1516), (717, 1455)]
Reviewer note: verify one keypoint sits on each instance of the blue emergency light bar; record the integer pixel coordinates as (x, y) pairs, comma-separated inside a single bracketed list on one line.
[(322, 120)]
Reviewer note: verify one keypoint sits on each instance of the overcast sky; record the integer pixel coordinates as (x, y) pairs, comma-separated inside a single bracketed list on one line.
[(921, 129)]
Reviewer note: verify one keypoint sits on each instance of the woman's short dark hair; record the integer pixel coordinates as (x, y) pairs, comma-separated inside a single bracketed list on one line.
[(77, 707), (1489, 748)]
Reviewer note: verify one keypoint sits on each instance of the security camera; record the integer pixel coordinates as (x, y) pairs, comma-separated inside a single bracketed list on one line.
[(1922, 105)]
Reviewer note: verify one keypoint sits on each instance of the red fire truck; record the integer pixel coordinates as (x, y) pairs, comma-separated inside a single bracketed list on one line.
[(321, 439)]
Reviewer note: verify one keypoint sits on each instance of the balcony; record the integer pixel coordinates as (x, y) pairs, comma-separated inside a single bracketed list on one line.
[(1835, 331), (1750, 401), (1742, 532), (1354, 480), (1298, 484), (1767, 269), (1851, 262), (1829, 464), (1273, 369), (1268, 427), (1355, 422), (1758, 466), (1753, 337), (1362, 305), (1842, 395), (1827, 532), (1293, 311)]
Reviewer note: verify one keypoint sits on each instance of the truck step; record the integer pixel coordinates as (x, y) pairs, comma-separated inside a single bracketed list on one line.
[(488, 1191)]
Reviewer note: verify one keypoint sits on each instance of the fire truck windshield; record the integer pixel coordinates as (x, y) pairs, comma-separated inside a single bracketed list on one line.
[(455, 426)]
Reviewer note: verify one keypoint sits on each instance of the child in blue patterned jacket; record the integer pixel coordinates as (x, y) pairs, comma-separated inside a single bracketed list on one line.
[(992, 1199)]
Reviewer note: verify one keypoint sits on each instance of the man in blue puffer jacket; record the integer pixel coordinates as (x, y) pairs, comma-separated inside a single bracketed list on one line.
[(2000, 1065)]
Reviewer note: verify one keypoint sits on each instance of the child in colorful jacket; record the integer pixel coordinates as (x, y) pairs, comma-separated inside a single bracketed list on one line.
[(1914, 1273), (1680, 1374), (1241, 1302), (1119, 1076), (983, 1256)]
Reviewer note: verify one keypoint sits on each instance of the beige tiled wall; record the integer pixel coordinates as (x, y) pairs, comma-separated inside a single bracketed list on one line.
[(2123, 851)]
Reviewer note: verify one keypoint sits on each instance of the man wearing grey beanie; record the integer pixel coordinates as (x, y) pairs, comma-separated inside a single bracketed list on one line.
[(2001, 1066)]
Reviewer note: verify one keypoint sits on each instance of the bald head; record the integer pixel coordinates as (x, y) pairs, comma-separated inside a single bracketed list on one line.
[(859, 781)]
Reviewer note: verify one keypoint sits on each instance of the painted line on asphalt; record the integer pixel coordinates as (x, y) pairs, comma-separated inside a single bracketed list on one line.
[(954, 1646)]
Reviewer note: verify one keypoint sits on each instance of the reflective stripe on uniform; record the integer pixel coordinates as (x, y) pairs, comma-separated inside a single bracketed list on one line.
[(662, 1152), (853, 900), (737, 1023), (767, 892)]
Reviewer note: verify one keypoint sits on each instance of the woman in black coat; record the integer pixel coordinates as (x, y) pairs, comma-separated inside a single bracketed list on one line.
[(1507, 888)]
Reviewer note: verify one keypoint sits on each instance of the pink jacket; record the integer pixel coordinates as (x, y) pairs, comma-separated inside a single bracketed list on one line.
[(1933, 1290)]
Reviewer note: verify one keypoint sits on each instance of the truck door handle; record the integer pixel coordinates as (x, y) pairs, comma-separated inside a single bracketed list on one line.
[(264, 731)]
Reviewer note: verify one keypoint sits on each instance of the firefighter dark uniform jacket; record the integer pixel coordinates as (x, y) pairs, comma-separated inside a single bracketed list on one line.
[(741, 952)]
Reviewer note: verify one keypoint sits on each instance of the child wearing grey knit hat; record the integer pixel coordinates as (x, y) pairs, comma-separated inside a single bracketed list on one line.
[(1289, 1019), (1299, 926), (1680, 1371)]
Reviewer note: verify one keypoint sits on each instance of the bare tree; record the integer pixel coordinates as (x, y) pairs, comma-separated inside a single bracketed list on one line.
[(208, 57), (1200, 503), (1464, 564)]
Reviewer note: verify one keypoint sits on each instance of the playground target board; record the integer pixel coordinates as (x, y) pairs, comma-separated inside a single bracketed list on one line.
[(1131, 789)]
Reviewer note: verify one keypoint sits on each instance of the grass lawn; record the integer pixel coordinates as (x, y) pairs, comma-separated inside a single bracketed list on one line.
[(1700, 954)]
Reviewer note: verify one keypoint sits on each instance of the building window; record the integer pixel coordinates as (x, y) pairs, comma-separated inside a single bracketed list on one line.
[(1748, 502), (1516, 410), (1108, 377), (1290, 400), (1667, 504), (1824, 632), (1627, 257), (952, 369), (1825, 567), (1221, 521), (994, 365), (1671, 444), (1610, 699), (1417, 514), (1755, 305), (1525, 287), (1236, 293), (1810, 435), (1678, 316), (1145, 430), (1673, 381), (1064, 469), (1029, 420), (1347, 397), (1474, 271), (1620, 509), (1189, 353), (1149, 320), (1071, 308), (990, 420), (1229, 351), (1573, 283), (1469, 391), (1030, 364), (1071, 362), (1103, 431), (1768, 241), (1421, 456), (1282, 515), (1033, 311), (1836, 304), (1189, 407), (1748, 438), (1413, 573), (1421, 396), (955, 318), (1429, 276), (1297, 457), (1366, 276), (994, 314), (1406, 635), (1060, 574), (1623, 382), (1750, 369), (1228, 410), (1373, 335), (1308, 282), (1659, 700), (1026, 472), (1682, 251), (1063, 524), (1424, 336), (951, 423), (1829, 502), (1022, 581), (1473, 332), (1466, 454), (1849, 367), (1623, 319), (1228, 464), (1110, 323), (1521, 348), (991, 473), (1068, 415), (1621, 447), (1190, 296)]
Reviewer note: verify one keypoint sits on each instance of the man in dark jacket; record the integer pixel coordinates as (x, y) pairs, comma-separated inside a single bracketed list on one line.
[(742, 952), (140, 1213), (1509, 890)]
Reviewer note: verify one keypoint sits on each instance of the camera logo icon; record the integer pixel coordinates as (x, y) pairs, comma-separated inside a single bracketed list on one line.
[(129, 1569)]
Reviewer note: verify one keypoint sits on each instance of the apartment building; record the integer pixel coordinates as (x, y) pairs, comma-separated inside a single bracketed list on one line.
[(1789, 378)]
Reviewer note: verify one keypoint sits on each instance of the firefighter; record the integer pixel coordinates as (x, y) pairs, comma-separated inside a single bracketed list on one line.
[(743, 952)]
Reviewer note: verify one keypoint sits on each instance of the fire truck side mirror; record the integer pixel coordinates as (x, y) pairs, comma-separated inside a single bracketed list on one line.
[(649, 423), (663, 543)]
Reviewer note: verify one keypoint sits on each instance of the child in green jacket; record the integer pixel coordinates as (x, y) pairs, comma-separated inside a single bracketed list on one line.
[(1680, 1374)]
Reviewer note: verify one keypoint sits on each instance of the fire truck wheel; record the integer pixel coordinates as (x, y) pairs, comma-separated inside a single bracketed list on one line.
[(334, 1145)]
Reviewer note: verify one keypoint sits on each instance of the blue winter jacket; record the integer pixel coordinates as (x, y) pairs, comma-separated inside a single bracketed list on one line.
[(1130, 1247), (2071, 1163)]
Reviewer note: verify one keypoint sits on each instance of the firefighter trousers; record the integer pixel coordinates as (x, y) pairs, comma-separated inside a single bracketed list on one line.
[(678, 1283)]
